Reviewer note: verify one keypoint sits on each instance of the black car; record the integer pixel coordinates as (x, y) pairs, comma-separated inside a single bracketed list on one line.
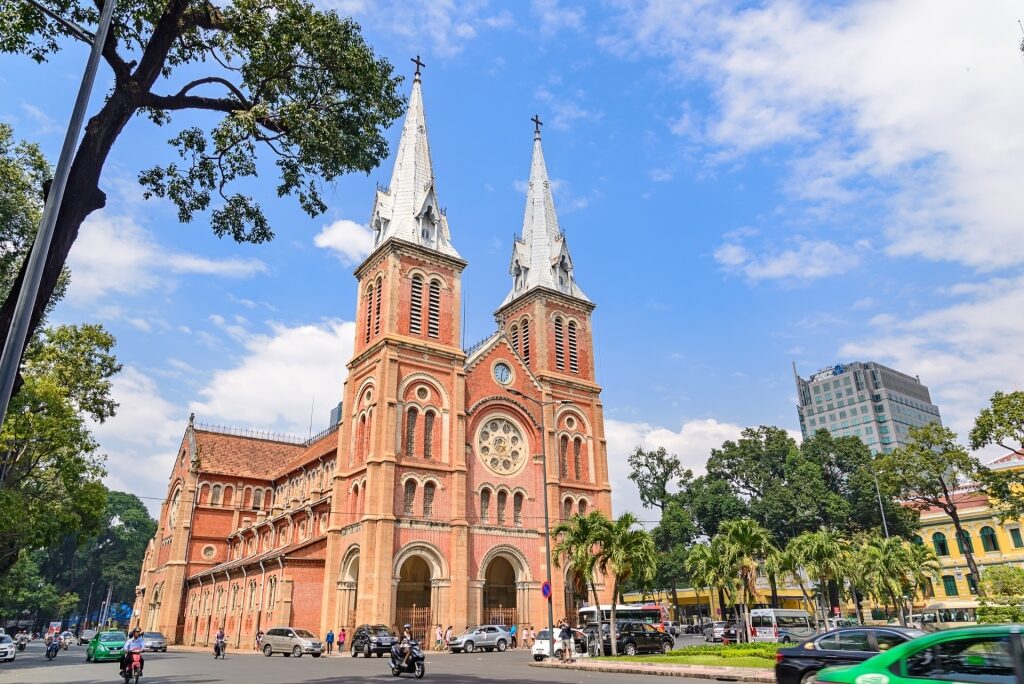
[(845, 646), (637, 637), (369, 639)]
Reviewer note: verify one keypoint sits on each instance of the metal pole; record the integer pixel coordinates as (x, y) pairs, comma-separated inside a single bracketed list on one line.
[(88, 604), (547, 527), (11, 358), (881, 508)]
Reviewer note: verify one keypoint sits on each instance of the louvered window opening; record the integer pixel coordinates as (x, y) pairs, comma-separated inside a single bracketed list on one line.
[(563, 457), (416, 312), (515, 338), (525, 353), (369, 312), (576, 446), (568, 510), (410, 497), (502, 498), (574, 359), (517, 510), (485, 505), (559, 345), (428, 499), (410, 431), (434, 310), (428, 435), (376, 315)]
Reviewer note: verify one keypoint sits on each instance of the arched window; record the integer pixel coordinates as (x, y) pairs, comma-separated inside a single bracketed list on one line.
[(515, 338), (215, 496), (428, 499), (574, 357), (172, 516), (563, 456), (361, 438), (234, 598), (369, 313), (940, 545), (272, 593), (582, 508), (252, 595), (434, 310), (410, 496), (525, 351), (917, 540), (988, 539), (410, 430), (559, 345), (964, 543), (416, 308), (428, 435), (502, 498), (376, 314), (517, 510), (257, 499), (567, 512), (485, 505), (577, 444)]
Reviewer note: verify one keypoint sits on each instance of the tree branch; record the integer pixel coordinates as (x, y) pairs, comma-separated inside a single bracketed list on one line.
[(176, 102)]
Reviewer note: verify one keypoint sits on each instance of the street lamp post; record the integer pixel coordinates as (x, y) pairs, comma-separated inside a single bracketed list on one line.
[(547, 515)]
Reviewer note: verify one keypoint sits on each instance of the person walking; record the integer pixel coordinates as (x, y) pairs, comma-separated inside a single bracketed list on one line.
[(341, 640), (330, 641), (438, 639), (259, 640), (447, 636), (513, 632)]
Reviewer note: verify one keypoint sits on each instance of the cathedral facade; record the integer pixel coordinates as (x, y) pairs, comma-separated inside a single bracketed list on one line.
[(424, 502)]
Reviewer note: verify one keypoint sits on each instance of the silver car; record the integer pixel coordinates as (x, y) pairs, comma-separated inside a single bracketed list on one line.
[(487, 637), (715, 631), (86, 636), (154, 641), (291, 642), (7, 648)]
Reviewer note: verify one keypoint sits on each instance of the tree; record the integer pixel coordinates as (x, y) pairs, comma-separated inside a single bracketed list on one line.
[(1002, 424), (673, 535), (821, 555), (293, 83), (626, 551), (710, 502), (745, 545), (892, 570), (929, 471), (577, 538), (50, 468), (1004, 595), (653, 472), (24, 592)]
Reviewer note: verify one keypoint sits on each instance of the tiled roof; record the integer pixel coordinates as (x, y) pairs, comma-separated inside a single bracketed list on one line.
[(243, 456), (321, 447), (1014, 457), (266, 555)]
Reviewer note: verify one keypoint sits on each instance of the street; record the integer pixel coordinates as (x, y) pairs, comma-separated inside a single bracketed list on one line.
[(511, 667)]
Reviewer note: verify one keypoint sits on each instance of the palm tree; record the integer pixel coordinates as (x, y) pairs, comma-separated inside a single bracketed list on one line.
[(745, 544), (625, 552), (821, 554), (882, 563), (577, 537), (708, 568), (924, 566)]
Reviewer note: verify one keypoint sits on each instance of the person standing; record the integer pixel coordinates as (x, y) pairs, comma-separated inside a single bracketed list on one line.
[(565, 639), (438, 639), (447, 636), (341, 640), (259, 639), (513, 632), (330, 641)]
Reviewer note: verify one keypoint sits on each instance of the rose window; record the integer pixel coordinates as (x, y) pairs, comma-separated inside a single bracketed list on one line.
[(501, 446)]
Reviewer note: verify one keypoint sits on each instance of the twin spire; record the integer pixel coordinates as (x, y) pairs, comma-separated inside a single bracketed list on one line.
[(409, 211)]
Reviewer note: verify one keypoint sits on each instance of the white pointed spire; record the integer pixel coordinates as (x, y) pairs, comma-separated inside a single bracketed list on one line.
[(540, 258), (408, 210)]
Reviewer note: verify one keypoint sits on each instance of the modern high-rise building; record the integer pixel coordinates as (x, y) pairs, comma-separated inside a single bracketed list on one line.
[(866, 400)]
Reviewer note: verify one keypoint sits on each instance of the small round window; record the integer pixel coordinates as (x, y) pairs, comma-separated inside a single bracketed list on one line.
[(209, 551), (422, 393), (570, 423)]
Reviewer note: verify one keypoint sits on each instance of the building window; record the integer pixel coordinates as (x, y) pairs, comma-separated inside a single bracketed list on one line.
[(428, 499), (369, 313), (257, 499), (416, 310), (428, 435), (582, 508), (434, 310), (517, 510), (215, 497), (577, 444), (376, 315), (502, 498), (563, 456), (949, 585), (567, 513), (988, 539), (559, 345), (485, 505), (410, 430), (252, 595), (272, 593), (939, 542), (525, 351), (410, 496), (917, 540), (515, 338), (574, 358), (1018, 542), (964, 543)]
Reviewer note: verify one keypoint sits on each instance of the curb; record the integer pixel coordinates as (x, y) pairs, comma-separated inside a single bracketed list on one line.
[(726, 674)]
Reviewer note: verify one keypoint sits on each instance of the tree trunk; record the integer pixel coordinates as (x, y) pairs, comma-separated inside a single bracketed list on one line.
[(675, 600), (899, 608), (968, 552), (807, 601), (774, 582), (611, 622), (721, 602)]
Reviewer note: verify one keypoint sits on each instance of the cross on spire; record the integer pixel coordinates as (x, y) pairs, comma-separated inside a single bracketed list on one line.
[(418, 63), (537, 123)]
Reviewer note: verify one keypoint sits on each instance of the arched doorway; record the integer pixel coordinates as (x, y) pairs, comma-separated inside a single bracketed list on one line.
[(413, 597), (349, 589), (500, 592), (576, 593)]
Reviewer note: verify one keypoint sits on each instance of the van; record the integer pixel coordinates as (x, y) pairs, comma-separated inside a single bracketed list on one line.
[(291, 642), (781, 625)]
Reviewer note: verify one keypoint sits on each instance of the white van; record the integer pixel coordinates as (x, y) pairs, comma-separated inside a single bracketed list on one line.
[(781, 625)]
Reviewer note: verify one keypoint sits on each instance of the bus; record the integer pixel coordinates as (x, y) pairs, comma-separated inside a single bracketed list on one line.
[(947, 615), (649, 613)]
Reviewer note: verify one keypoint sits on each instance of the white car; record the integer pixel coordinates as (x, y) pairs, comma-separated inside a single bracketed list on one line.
[(7, 648), (542, 645)]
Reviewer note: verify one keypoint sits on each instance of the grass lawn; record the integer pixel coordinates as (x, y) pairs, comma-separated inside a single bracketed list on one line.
[(714, 660)]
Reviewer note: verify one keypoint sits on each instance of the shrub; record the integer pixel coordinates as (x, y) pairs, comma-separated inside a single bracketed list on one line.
[(759, 649)]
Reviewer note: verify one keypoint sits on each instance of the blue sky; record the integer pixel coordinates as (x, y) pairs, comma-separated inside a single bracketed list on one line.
[(743, 186)]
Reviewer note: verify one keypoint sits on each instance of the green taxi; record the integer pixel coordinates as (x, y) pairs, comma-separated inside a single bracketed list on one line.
[(974, 655), (105, 646)]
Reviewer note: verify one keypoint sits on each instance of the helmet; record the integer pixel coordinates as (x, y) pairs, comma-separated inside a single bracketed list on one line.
[(407, 627)]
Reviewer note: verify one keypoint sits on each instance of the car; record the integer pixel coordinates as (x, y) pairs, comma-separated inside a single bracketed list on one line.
[(989, 654), (291, 642), (672, 627), (372, 639), (715, 631), (636, 637), (154, 641), (844, 646), (542, 645), (8, 648), (781, 625), (487, 637), (105, 646), (86, 636)]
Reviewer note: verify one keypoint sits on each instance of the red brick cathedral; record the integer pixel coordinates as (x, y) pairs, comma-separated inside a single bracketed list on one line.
[(423, 503)]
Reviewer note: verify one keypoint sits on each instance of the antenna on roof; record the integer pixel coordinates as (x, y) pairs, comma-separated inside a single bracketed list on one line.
[(312, 404)]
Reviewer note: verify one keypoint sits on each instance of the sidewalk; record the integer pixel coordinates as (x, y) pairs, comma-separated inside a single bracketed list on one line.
[(728, 674)]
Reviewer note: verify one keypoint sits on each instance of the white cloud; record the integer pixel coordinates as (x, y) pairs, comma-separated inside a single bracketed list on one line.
[(350, 241), (566, 109), (114, 254), (279, 376), (44, 123), (874, 97), (692, 443), (661, 175), (808, 260), (554, 16)]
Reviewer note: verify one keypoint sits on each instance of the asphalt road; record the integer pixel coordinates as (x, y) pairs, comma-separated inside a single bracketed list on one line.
[(190, 667)]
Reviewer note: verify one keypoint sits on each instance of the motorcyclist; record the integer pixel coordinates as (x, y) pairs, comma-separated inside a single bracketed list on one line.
[(218, 643), (405, 646), (134, 643)]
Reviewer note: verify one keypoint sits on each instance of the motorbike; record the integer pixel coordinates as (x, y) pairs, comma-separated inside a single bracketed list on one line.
[(414, 665), (220, 648), (22, 643), (133, 671), (65, 642), (52, 647)]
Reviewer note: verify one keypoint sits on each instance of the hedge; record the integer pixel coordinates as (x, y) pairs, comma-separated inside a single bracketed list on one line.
[(1000, 614), (762, 649)]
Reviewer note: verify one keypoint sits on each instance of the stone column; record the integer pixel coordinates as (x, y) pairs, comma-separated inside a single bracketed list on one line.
[(475, 604)]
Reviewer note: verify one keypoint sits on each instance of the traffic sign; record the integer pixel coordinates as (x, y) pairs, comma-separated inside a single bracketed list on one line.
[(545, 590)]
